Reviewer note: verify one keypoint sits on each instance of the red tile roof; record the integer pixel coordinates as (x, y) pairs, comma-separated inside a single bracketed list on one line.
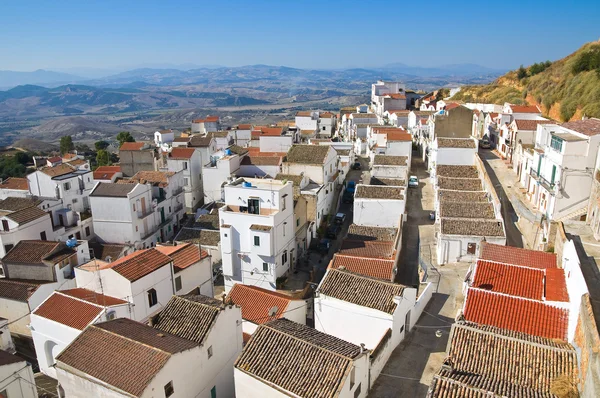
[(517, 314), (516, 256), (383, 250), (106, 172), (181, 153), (530, 125), (451, 105), (15, 183), (257, 302), (183, 255), (212, 119), (244, 127), (556, 285), (267, 132), (93, 297), (398, 136), (396, 96), (138, 264), (589, 127), (375, 268), (525, 109), (509, 279), (132, 146)]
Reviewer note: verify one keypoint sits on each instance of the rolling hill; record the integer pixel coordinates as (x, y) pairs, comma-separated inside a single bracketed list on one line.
[(565, 89)]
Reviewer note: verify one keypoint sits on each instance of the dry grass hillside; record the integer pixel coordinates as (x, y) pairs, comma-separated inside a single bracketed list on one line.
[(565, 89)]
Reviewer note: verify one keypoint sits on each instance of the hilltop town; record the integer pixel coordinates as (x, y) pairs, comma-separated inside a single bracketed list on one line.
[(410, 246)]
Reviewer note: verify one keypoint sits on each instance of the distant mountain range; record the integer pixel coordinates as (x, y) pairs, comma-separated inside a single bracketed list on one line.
[(188, 74)]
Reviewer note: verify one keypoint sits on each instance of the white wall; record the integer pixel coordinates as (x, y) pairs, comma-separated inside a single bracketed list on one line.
[(455, 156), (29, 231), (453, 248), (576, 285), (198, 274), (16, 380), (379, 212), (390, 171), (162, 281), (275, 144)]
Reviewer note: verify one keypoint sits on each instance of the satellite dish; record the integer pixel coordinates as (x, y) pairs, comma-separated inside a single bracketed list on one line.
[(273, 311)]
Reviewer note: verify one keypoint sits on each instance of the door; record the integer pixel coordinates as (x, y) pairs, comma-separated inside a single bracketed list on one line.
[(407, 324), (162, 215), (213, 392), (143, 206), (61, 221)]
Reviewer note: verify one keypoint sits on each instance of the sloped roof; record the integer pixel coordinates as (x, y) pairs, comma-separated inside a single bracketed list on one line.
[(460, 184), (525, 109), (456, 143), (19, 290), (181, 153), (467, 210), (512, 280), (472, 227), (371, 249), (7, 358), (132, 146), (199, 141), (517, 256), (456, 171), (70, 311), (189, 317), (361, 290), (307, 154), (388, 160), (530, 125), (589, 127), (371, 267), (122, 353), (183, 255), (59, 170), (20, 184), (106, 172), (257, 302), (361, 232), (139, 264), (112, 190), (159, 178), (309, 363), (36, 252), (381, 192), (103, 250), (517, 314), (203, 237), (27, 215)]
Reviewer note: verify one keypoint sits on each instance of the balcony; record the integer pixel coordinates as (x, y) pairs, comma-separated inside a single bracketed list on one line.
[(177, 191), (178, 207), (548, 185), (144, 214)]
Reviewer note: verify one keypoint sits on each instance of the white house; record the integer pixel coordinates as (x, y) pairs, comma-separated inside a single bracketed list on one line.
[(307, 120), (390, 141), (522, 112), (257, 232), (62, 317), (260, 306), (388, 166), (518, 131), (563, 158), (14, 187), (191, 345), (242, 134), (388, 96), (72, 182), (379, 206), (327, 124), (203, 126), (192, 268), (216, 172), (453, 151), (22, 220), (107, 173), (303, 356), (16, 377), (189, 162), (365, 310), (260, 164), (275, 143), (164, 138), (204, 144), (223, 139)]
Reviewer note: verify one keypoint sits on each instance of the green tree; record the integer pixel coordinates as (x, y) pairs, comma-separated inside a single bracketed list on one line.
[(521, 73), (23, 158), (103, 158), (101, 145), (66, 144), (124, 136)]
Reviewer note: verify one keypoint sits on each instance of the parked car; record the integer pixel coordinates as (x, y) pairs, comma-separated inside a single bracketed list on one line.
[(484, 143), (340, 218), (356, 166), (324, 245), (333, 231), (413, 182), (432, 216), (351, 186), (348, 197)]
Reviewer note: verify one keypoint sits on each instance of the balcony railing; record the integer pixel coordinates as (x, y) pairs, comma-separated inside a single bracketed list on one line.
[(548, 185), (178, 207), (144, 214)]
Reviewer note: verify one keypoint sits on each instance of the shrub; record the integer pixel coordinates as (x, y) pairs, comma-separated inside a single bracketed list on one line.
[(521, 73), (567, 110)]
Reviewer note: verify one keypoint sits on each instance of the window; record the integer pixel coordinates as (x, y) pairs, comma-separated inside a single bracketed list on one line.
[(5, 225), (283, 202), (7, 248), (352, 377), (43, 235), (257, 241), (297, 222), (169, 389), (87, 231), (67, 186), (185, 166), (111, 315), (213, 392), (556, 143), (178, 284), (254, 206), (78, 235), (186, 181), (152, 299), (136, 228), (265, 267), (323, 128), (74, 200), (284, 258), (134, 207), (210, 352), (357, 391), (471, 247)]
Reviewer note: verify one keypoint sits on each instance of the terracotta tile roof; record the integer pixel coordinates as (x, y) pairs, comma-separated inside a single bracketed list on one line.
[(304, 114), (517, 314), (308, 154), (36, 252), (508, 279), (459, 184), (121, 353), (460, 196), (395, 96), (323, 115), (379, 192), (203, 237), (93, 297), (371, 267), (244, 127), (360, 232), (19, 290), (589, 127), (132, 146), (361, 290), (69, 311), (364, 116), (206, 221), (256, 302), (139, 264), (181, 139), (190, 317), (12, 203), (261, 131), (112, 190), (160, 178), (516, 256), (472, 227), (309, 363), (200, 141), (456, 143), (251, 160), (15, 183), (371, 249), (457, 171), (212, 119), (467, 210), (451, 105), (106, 172), (387, 160), (219, 134), (238, 150), (58, 170), (27, 215), (556, 285), (77, 162), (496, 362), (399, 136), (530, 125), (55, 159), (525, 109), (181, 153), (183, 255), (392, 182)]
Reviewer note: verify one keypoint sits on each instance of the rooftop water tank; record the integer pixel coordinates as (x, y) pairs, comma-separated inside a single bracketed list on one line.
[(227, 152), (71, 243), (246, 184)]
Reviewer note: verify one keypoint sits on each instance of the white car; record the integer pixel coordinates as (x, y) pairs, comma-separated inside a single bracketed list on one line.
[(413, 182)]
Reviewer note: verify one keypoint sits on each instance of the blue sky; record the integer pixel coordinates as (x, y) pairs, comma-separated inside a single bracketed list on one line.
[(309, 34)]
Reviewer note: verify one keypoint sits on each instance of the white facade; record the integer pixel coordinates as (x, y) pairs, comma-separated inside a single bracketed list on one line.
[(12, 233), (452, 156), (217, 172), (16, 380), (307, 121), (455, 248), (163, 137), (191, 170), (379, 212), (257, 232), (275, 143)]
